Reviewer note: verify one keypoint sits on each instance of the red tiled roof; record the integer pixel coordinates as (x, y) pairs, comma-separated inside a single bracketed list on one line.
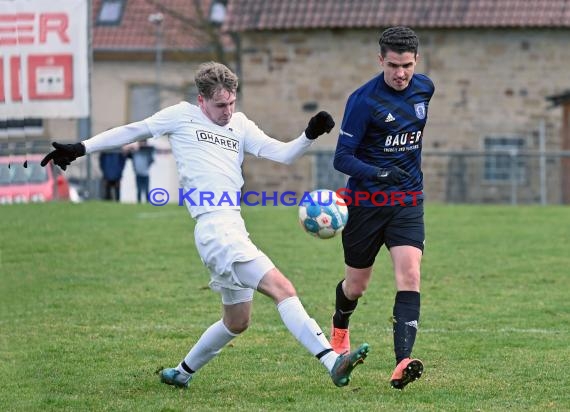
[(136, 32), (311, 14)]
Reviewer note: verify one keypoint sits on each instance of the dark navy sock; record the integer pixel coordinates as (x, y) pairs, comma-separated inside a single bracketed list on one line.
[(343, 308), (406, 317)]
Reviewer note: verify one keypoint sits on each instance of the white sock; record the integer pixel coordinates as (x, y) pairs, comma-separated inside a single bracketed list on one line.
[(305, 329), (208, 346), (180, 369), (329, 359)]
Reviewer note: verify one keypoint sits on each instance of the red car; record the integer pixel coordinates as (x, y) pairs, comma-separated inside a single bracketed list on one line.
[(19, 184)]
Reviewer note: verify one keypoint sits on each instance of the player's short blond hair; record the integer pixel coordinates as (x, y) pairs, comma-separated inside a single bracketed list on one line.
[(213, 76)]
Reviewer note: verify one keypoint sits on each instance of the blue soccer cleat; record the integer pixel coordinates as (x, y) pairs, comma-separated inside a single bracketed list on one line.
[(172, 377), (345, 364)]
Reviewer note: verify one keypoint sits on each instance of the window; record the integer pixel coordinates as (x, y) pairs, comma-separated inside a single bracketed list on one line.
[(17, 174), (143, 98), (5, 174), (111, 12), (505, 165), (143, 101)]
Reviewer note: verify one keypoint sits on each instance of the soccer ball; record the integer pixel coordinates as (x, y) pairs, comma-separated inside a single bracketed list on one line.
[(322, 213)]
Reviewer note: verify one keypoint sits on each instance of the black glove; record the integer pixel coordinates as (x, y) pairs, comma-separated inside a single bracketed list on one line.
[(392, 175), (64, 154), (320, 123)]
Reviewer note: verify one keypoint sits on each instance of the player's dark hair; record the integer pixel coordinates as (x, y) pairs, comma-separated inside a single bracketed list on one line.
[(212, 77), (398, 39)]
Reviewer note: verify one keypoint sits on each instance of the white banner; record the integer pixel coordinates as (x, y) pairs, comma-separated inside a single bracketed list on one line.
[(44, 62)]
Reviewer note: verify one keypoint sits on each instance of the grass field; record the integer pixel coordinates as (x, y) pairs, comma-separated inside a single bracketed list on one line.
[(95, 297)]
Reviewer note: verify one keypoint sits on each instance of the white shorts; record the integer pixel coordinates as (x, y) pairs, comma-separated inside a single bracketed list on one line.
[(222, 240)]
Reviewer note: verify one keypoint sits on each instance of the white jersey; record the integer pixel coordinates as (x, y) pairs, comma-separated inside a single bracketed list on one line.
[(208, 157)]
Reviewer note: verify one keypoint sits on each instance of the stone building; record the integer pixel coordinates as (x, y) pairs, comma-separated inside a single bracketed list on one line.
[(494, 63)]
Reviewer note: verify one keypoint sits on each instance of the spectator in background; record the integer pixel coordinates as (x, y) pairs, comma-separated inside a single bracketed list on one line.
[(112, 164), (142, 157)]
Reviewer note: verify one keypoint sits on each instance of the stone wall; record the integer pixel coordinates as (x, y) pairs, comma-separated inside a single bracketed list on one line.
[(488, 82)]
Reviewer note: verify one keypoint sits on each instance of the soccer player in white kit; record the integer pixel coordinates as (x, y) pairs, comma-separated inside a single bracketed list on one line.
[(208, 142)]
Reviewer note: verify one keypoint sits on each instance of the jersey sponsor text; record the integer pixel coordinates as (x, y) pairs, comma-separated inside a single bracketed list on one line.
[(222, 141), (402, 139)]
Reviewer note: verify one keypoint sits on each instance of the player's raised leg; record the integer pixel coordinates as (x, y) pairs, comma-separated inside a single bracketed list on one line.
[(306, 330)]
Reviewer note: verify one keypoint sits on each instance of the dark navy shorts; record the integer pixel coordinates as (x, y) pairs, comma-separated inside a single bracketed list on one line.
[(368, 228)]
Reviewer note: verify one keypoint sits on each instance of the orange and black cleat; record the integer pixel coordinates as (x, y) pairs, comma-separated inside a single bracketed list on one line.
[(408, 370), (340, 340)]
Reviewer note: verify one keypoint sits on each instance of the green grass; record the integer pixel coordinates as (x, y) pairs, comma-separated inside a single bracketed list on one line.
[(95, 297)]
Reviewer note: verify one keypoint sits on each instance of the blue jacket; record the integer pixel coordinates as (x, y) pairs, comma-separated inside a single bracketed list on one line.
[(112, 165)]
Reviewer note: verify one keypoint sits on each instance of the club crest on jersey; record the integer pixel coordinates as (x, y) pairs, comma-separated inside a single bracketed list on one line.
[(221, 141), (420, 109)]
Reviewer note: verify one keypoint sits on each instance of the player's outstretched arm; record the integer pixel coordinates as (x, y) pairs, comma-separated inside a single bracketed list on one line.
[(64, 154), (264, 146)]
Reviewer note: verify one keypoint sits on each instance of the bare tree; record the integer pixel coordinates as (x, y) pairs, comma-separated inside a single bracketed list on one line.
[(199, 26)]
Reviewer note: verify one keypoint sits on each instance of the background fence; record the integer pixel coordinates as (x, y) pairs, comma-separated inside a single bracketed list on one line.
[(490, 176), (493, 176)]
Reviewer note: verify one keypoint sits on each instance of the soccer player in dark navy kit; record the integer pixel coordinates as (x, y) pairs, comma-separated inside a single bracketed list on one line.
[(379, 147)]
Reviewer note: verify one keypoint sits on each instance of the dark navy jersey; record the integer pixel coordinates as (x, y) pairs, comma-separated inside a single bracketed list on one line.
[(381, 128)]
